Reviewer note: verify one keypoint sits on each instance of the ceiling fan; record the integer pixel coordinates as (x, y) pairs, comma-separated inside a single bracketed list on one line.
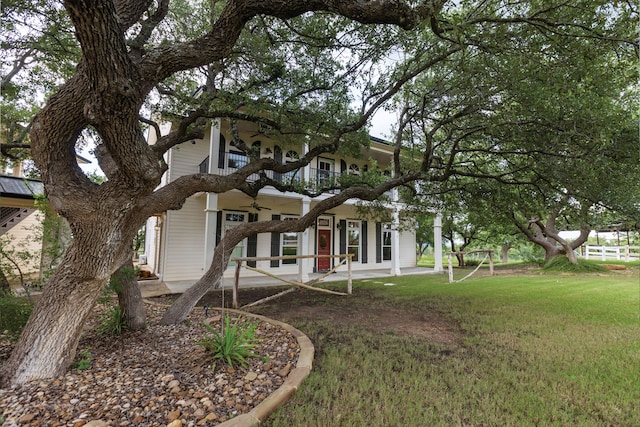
[(255, 206)]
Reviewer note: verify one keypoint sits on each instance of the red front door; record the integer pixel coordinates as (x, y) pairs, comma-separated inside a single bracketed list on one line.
[(324, 248)]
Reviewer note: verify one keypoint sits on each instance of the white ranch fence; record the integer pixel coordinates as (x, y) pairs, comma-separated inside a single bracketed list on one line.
[(621, 253)]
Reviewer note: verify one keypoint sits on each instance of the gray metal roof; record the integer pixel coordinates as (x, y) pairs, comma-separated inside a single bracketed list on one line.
[(22, 188)]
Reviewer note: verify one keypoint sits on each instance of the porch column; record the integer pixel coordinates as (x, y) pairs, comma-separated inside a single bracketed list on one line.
[(214, 143), (306, 171), (210, 227), (395, 244), (304, 263), (437, 243), (211, 209)]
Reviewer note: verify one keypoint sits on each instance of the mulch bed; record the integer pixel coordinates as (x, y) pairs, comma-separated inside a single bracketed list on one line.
[(152, 378)]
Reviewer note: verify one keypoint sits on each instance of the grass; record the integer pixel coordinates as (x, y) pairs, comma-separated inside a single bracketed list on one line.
[(550, 349)]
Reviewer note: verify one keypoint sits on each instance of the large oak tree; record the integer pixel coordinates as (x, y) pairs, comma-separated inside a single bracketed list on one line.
[(113, 78), (129, 52)]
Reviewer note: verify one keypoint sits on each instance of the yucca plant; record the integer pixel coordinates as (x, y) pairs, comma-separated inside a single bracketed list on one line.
[(234, 344), (112, 321)]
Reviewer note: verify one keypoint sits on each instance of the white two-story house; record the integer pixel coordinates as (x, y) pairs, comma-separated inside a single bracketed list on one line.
[(179, 244)]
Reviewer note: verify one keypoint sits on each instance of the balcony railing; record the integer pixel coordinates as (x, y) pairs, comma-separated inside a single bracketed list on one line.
[(318, 180), (232, 161), (321, 178)]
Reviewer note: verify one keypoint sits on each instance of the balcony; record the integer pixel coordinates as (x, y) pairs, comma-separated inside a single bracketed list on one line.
[(232, 161), (321, 178), (318, 178)]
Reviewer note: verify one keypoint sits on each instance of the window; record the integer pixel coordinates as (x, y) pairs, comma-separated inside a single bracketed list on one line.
[(290, 156), (289, 243), (386, 242), (354, 169), (232, 220), (325, 172), (353, 239)]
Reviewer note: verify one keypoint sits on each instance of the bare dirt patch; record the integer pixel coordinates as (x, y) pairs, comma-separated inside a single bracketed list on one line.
[(362, 308)]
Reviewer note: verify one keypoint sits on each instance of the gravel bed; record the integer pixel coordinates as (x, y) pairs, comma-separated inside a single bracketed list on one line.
[(156, 377)]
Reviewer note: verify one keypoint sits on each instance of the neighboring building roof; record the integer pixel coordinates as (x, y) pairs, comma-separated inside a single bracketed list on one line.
[(380, 140), (82, 160), (20, 188)]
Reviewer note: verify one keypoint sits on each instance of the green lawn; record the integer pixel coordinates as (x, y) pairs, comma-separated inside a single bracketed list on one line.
[(540, 349)]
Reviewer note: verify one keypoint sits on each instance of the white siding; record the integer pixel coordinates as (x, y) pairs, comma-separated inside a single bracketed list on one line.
[(183, 239), (407, 249), (186, 158), (24, 237), (184, 242)]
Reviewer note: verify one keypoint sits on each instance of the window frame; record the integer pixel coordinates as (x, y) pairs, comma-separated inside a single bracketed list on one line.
[(358, 246), (289, 246), (386, 230), (225, 227)]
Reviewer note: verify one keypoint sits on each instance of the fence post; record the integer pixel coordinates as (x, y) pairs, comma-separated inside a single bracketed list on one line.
[(349, 273), (491, 263), (450, 268), (235, 284)]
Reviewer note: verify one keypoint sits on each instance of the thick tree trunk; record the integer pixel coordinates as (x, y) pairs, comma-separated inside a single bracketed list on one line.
[(129, 296), (63, 309), (551, 251), (504, 251), (48, 342), (181, 307)]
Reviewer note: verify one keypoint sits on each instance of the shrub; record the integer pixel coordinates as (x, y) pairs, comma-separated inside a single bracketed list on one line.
[(14, 313), (471, 262), (561, 263), (234, 344), (112, 321), (84, 362)]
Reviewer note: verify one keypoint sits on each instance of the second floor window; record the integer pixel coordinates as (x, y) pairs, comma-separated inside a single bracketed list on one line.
[(291, 156), (325, 171)]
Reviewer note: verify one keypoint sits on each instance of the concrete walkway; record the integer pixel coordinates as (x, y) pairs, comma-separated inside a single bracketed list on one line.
[(151, 288)]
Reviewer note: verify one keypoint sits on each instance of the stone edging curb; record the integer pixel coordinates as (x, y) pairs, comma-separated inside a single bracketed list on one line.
[(276, 399)]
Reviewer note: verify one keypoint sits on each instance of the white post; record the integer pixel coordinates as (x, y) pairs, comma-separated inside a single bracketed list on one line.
[(437, 243), (395, 244), (214, 143), (349, 256), (303, 245), (211, 209), (491, 263), (306, 171), (210, 226), (450, 268)]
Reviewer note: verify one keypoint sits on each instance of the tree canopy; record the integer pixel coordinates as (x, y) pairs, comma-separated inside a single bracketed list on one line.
[(485, 89)]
